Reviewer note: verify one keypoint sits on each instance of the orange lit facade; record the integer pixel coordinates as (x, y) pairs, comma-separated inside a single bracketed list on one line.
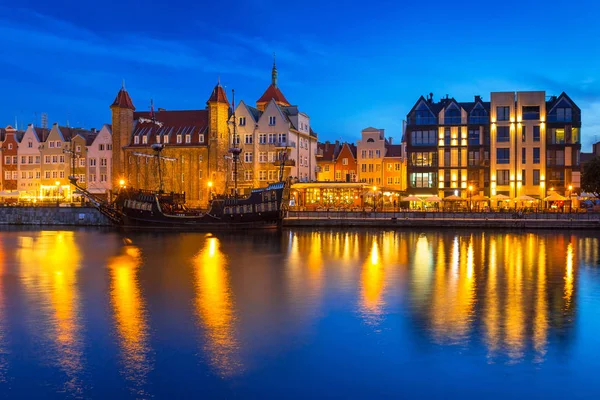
[(519, 143), (336, 162)]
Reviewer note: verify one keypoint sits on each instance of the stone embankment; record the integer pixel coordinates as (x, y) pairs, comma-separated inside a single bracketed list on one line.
[(74, 216), (444, 220)]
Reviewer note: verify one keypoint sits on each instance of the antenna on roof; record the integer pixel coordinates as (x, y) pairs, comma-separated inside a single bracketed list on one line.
[(16, 123), (44, 120)]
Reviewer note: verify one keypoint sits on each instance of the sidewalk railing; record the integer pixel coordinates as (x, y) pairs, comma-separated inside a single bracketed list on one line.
[(442, 215)]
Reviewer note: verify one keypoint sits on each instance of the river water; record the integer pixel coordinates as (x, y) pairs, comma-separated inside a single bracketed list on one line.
[(300, 314)]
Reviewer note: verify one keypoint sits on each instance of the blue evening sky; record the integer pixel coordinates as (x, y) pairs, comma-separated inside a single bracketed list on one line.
[(349, 65)]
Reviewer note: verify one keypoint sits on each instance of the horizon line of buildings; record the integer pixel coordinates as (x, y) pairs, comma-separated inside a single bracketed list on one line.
[(518, 143)]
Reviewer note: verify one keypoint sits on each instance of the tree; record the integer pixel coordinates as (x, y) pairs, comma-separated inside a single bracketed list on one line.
[(590, 180)]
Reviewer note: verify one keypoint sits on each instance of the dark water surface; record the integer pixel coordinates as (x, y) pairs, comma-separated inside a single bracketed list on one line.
[(300, 314)]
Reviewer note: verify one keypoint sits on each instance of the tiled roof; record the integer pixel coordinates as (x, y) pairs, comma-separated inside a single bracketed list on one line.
[(218, 95), (123, 100), (172, 123), (393, 150), (274, 93), (329, 151)]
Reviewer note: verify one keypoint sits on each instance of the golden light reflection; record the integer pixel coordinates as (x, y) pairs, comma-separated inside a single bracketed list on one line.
[(215, 308), (130, 316), (372, 285), (3, 344), (569, 277), (453, 295), (48, 265), (540, 323), (492, 308), (515, 317)]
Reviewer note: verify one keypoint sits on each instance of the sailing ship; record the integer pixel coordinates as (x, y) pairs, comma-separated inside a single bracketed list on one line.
[(154, 210)]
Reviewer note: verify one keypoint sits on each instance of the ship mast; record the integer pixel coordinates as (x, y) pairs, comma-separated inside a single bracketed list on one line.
[(235, 150)]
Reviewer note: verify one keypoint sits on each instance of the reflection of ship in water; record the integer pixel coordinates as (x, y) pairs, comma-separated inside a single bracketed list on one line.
[(48, 267), (130, 317), (515, 291)]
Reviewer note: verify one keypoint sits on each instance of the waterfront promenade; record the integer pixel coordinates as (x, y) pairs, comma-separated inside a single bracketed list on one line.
[(508, 219), (89, 216)]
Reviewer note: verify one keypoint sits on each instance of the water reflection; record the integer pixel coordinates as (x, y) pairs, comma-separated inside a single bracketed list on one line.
[(48, 267), (130, 317), (3, 344), (372, 286), (215, 308), (513, 291)]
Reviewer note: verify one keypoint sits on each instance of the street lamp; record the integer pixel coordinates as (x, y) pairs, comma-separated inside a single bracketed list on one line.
[(122, 182), (210, 185), (569, 197)]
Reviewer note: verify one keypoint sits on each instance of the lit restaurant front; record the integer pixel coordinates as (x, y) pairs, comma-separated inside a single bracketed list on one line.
[(342, 196)]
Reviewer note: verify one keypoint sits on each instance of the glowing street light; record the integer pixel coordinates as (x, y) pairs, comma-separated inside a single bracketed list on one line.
[(210, 184), (122, 182)]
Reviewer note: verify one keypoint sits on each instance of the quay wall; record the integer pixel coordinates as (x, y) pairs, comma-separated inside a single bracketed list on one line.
[(72, 216), (444, 220)]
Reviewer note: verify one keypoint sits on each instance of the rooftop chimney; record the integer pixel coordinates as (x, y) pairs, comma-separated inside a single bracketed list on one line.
[(390, 140)]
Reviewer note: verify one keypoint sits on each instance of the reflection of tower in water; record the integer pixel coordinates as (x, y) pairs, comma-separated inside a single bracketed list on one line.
[(130, 317), (48, 268), (216, 309), (3, 344)]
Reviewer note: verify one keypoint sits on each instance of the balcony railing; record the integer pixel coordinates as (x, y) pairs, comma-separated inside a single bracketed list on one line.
[(479, 120), (422, 121), (283, 144), (287, 163), (559, 118)]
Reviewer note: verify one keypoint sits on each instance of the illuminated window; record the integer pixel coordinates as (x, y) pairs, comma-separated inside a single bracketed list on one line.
[(536, 177), (144, 139), (503, 177), (523, 133)]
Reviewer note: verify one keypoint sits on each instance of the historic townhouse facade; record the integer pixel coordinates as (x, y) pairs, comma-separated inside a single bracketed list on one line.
[(99, 162), (491, 148), (370, 154), (30, 160), (272, 135), (9, 140), (336, 162)]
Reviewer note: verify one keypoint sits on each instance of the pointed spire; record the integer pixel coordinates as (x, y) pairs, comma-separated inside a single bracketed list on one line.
[(274, 71), (123, 100), (218, 94)]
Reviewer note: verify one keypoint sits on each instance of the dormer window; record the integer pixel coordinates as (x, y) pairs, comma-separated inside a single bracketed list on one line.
[(452, 115), (242, 121), (479, 115), (188, 139), (272, 120), (423, 116), (136, 140), (144, 139), (157, 138), (179, 138), (201, 138)]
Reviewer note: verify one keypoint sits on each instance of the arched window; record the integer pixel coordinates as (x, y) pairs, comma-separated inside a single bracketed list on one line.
[(370, 140)]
